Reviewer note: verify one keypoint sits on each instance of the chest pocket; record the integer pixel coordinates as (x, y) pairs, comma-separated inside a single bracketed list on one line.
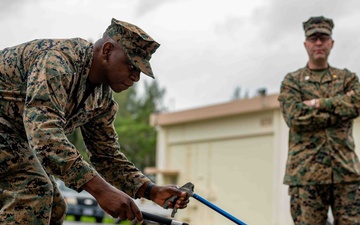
[(328, 85)]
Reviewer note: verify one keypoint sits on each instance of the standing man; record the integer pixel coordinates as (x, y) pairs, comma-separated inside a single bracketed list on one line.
[(319, 104), (47, 89)]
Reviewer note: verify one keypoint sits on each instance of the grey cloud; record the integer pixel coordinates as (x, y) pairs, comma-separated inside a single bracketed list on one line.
[(286, 17), (145, 7), (10, 6), (232, 26)]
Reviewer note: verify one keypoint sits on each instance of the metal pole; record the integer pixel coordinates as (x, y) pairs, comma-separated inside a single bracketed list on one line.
[(161, 220), (217, 209)]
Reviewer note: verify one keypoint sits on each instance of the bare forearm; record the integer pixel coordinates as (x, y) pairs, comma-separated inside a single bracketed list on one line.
[(113, 201), (96, 186)]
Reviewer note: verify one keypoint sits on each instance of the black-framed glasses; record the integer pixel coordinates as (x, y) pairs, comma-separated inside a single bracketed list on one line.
[(322, 37)]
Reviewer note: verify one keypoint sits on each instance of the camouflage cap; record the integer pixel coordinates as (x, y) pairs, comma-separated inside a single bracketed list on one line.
[(137, 45), (318, 24)]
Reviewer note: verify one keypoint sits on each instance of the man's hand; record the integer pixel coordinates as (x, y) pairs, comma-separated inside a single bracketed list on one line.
[(113, 201), (350, 93), (159, 194), (314, 103)]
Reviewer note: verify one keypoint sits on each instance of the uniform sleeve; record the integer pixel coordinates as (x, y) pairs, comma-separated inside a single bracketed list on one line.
[(344, 105), (102, 144), (44, 119), (299, 116)]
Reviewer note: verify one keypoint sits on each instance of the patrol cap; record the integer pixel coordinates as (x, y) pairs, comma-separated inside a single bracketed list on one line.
[(137, 45), (318, 24)]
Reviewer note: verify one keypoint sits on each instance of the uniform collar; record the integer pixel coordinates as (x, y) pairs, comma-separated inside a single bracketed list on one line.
[(312, 76)]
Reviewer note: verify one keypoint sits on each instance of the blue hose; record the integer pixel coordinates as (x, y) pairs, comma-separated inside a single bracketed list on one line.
[(217, 209)]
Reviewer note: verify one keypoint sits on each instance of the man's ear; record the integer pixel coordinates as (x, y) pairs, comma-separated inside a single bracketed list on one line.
[(107, 49), (332, 44)]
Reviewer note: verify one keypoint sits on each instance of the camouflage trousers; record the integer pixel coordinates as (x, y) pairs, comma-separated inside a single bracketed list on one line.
[(310, 203), (28, 195)]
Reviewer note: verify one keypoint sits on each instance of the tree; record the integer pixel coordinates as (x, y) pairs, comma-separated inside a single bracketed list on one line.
[(136, 137), (236, 94)]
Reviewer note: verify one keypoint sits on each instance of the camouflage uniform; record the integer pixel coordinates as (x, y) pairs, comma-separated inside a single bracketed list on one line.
[(322, 168), (44, 95)]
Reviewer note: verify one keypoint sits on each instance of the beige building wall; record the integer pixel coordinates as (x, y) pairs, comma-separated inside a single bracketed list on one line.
[(234, 154)]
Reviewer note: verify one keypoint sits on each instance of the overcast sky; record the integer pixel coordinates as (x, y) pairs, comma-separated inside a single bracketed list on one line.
[(208, 47)]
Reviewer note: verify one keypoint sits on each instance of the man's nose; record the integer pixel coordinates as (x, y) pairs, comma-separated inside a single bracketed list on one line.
[(318, 41)]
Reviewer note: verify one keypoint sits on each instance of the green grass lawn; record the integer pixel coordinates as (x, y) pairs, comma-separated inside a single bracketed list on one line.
[(107, 220)]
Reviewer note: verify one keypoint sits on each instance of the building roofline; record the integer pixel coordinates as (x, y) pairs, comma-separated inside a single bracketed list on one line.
[(236, 107)]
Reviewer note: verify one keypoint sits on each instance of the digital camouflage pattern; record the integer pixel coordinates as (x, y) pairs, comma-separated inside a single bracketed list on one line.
[(136, 43), (306, 210), (42, 99), (322, 167), (318, 24), (26, 197), (321, 144)]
